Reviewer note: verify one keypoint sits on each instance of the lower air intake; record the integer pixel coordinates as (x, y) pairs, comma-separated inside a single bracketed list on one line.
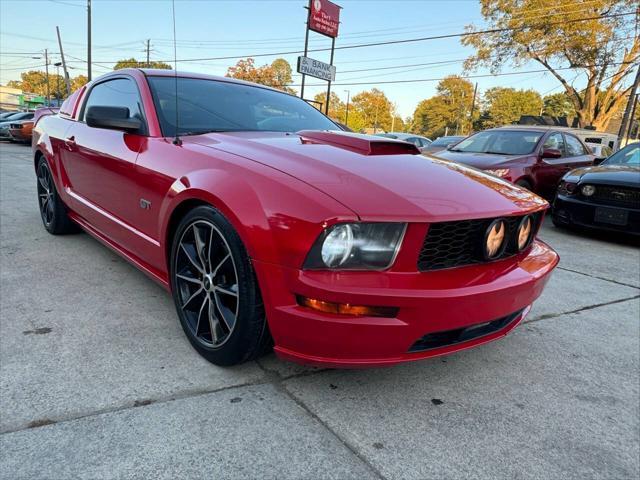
[(459, 335)]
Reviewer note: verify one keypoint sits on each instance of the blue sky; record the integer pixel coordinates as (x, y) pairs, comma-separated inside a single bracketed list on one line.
[(210, 28)]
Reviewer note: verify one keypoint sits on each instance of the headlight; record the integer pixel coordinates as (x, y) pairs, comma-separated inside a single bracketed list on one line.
[(338, 246), (567, 188), (356, 246), (500, 172), (588, 190)]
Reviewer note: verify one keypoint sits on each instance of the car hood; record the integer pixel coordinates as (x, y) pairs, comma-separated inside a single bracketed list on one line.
[(607, 174), (380, 187), (478, 160)]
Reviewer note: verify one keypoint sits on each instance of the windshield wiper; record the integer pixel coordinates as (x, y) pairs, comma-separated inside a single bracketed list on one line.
[(499, 153), (202, 132)]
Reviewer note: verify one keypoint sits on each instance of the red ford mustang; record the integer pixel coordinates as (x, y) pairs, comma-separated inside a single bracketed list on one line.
[(269, 225)]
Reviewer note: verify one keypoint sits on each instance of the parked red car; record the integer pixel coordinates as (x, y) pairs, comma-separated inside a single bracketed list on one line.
[(268, 224), (533, 157)]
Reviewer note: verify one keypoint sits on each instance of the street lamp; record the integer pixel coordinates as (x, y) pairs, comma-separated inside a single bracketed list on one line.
[(346, 114)]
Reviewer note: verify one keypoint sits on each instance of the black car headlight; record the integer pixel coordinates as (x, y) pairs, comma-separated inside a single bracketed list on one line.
[(356, 246), (567, 188)]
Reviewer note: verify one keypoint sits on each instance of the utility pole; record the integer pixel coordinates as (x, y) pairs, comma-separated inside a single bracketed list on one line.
[(627, 110), (46, 69), (64, 64), (58, 94), (346, 115), (148, 47), (632, 117), (473, 106), (306, 48), (88, 41)]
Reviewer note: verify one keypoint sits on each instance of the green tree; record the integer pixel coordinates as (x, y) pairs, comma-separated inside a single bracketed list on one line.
[(78, 82), (282, 74), (446, 112), (276, 75), (337, 107), (370, 110), (587, 35), (35, 81), (133, 63), (558, 105), (503, 106)]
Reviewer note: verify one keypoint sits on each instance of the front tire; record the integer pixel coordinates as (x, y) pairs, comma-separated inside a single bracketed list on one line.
[(52, 211), (524, 184), (215, 290)]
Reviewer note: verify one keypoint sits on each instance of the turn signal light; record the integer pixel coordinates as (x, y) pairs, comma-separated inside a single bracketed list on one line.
[(346, 308)]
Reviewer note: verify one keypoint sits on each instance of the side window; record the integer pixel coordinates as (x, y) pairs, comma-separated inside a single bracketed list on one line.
[(121, 92), (415, 140), (574, 147), (555, 141)]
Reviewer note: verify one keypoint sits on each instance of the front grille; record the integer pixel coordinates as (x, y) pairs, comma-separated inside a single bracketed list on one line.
[(459, 243), (459, 335), (615, 196)]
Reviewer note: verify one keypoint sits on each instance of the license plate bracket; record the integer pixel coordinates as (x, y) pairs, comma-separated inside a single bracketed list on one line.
[(613, 216)]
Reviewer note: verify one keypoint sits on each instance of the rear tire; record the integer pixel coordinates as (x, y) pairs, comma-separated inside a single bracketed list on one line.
[(216, 291), (52, 211)]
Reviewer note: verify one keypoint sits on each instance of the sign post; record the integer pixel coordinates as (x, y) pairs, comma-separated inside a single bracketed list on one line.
[(323, 17)]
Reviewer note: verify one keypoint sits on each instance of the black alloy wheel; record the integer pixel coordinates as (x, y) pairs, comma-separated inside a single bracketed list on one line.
[(52, 211), (215, 289)]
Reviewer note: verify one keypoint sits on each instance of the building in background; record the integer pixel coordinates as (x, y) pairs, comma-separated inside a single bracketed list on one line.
[(14, 99)]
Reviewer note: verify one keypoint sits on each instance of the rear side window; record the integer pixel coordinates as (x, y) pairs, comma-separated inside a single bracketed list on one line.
[(574, 147), (120, 92)]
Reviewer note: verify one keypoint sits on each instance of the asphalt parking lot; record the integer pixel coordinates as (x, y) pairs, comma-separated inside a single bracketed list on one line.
[(98, 380)]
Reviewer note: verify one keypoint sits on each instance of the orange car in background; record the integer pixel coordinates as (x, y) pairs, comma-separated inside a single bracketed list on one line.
[(21, 130)]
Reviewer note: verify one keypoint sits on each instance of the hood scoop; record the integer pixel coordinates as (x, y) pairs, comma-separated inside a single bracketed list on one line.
[(355, 142)]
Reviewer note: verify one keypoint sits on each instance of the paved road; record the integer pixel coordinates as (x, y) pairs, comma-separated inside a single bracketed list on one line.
[(98, 381)]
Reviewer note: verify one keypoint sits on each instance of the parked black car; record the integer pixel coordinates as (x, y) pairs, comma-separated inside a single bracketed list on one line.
[(606, 196)]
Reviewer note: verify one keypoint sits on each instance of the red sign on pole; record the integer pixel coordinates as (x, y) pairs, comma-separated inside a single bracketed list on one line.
[(324, 17)]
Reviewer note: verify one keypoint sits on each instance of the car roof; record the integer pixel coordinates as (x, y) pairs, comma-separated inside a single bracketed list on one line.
[(159, 72), (546, 128)]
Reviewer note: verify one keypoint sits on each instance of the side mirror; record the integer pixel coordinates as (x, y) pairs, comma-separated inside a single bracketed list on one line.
[(551, 153), (112, 118), (598, 161), (450, 146)]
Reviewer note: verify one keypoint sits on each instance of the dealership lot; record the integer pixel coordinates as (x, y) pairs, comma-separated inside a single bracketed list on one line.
[(98, 380)]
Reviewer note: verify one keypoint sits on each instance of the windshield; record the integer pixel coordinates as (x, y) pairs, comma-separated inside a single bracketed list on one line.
[(212, 105), (501, 142), (629, 155), (445, 141)]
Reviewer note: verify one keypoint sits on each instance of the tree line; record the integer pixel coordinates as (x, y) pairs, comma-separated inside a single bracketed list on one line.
[(595, 40)]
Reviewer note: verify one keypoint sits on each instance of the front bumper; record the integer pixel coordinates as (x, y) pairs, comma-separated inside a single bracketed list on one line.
[(573, 211), (442, 301)]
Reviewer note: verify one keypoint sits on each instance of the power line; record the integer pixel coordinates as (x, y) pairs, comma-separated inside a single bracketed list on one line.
[(396, 42), (418, 80), (582, 7)]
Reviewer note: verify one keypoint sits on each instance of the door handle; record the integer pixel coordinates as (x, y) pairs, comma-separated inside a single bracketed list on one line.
[(70, 142)]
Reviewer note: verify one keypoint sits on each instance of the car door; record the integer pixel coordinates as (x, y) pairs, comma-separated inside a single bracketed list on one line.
[(549, 171), (577, 153), (99, 164)]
